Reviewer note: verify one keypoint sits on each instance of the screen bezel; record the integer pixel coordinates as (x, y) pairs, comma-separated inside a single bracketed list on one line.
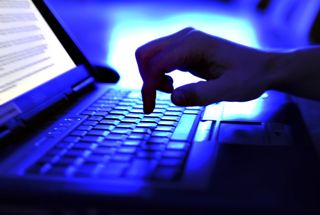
[(71, 47)]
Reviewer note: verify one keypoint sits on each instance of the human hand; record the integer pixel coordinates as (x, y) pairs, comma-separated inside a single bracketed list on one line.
[(232, 72)]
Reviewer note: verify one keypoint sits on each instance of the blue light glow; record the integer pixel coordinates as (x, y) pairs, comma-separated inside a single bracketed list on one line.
[(134, 28), (243, 110)]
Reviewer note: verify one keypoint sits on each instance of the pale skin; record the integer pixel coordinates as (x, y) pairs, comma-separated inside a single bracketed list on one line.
[(231, 72)]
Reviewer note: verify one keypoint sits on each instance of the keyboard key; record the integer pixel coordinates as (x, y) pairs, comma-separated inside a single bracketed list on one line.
[(173, 154), (121, 157), (92, 109), (60, 171), (184, 127), (38, 169), (78, 133), (110, 143), (138, 136), (88, 112), (77, 153), (119, 112), (84, 127), (165, 173), (121, 131), (71, 139), (95, 139), (89, 122), (178, 109), (144, 163), (159, 110), (47, 159), (98, 133), (173, 113), (67, 161), (96, 118), (166, 101), (97, 158), (101, 113), (177, 145), (142, 130), (171, 162), (148, 119), (88, 170), (137, 111), (104, 127), (153, 146), (147, 125), (194, 108), (161, 106), (163, 140), (113, 169), (131, 120), (127, 125), (141, 169), (138, 105), (149, 154), (127, 150), (195, 112), (170, 118), (154, 115), (61, 146), (167, 123), (110, 121), (104, 150), (135, 116), (132, 142), (84, 146), (161, 134), (165, 128), (124, 105), (116, 137)]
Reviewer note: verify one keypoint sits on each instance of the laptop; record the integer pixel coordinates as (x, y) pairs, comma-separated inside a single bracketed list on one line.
[(72, 144)]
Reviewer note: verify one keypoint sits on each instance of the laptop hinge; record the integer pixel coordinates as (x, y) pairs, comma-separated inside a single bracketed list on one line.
[(83, 84)]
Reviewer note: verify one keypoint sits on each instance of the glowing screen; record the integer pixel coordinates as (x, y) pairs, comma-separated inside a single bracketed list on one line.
[(30, 53)]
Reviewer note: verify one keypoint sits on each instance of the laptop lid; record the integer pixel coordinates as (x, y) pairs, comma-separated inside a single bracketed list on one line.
[(39, 62)]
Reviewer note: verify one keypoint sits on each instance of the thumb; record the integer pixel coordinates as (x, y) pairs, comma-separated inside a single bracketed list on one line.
[(200, 94)]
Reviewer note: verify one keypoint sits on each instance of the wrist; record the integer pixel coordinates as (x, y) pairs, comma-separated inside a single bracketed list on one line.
[(279, 66)]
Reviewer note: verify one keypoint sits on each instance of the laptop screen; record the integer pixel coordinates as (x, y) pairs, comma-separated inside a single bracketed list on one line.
[(30, 53)]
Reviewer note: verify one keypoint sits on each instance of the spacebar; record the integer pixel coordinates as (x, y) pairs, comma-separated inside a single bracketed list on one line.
[(184, 127)]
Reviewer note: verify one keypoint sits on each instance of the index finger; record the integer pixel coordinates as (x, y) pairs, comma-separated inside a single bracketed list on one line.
[(182, 54), (144, 56)]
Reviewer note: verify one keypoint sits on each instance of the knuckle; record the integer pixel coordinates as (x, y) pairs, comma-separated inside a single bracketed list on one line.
[(141, 53), (188, 29), (195, 34)]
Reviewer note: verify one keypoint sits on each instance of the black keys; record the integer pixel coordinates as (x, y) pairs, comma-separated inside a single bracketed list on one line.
[(104, 127), (141, 168), (79, 133), (118, 140), (166, 173), (101, 132), (113, 169)]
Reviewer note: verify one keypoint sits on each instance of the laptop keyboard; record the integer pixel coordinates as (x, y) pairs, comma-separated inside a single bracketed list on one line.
[(118, 141)]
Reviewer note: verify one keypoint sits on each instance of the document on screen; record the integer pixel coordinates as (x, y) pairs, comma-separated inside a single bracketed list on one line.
[(30, 53)]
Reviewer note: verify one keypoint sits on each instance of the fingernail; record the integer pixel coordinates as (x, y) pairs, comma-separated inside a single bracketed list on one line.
[(178, 97)]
